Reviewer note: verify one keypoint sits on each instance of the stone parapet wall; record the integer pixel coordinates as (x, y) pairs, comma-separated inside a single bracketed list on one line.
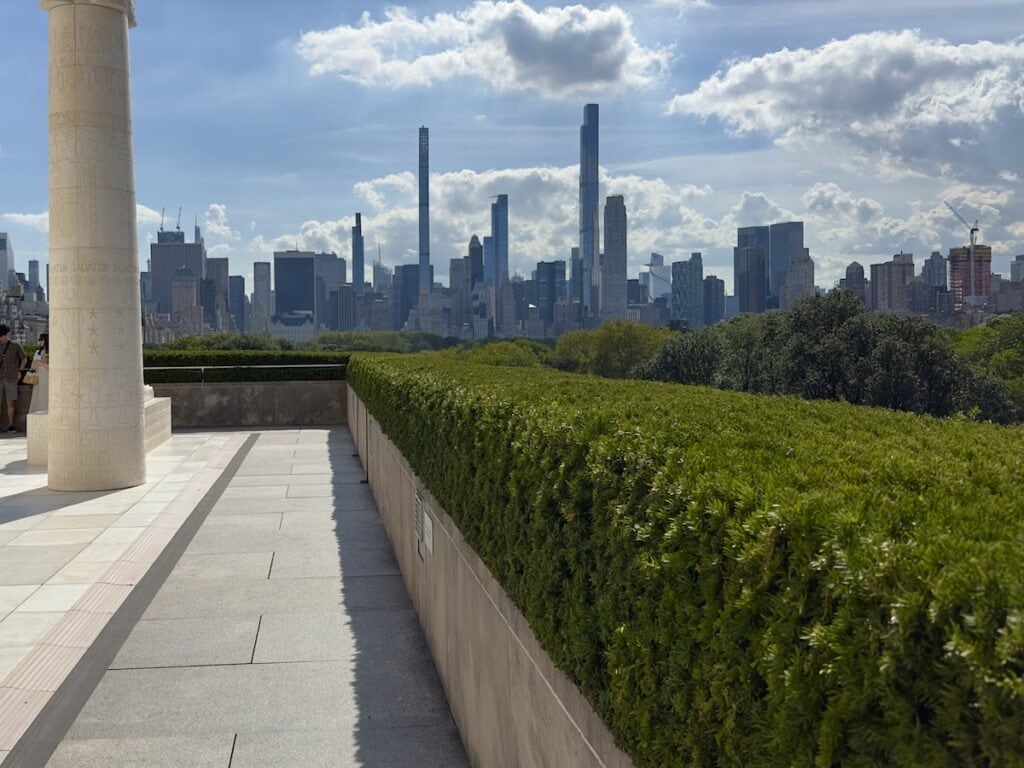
[(256, 404), (510, 703)]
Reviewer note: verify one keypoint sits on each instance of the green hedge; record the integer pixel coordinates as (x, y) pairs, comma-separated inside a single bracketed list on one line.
[(735, 579), (158, 358)]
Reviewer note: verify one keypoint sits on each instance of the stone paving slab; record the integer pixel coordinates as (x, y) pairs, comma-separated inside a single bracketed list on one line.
[(71, 565), (337, 673), (208, 752)]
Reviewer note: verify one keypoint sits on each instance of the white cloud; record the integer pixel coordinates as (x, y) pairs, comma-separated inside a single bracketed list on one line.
[(1009, 176), (892, 95), (40, 222), (683, 6), (557, 51), (829, 201), (217, 222), (37, 221), (146, 215)]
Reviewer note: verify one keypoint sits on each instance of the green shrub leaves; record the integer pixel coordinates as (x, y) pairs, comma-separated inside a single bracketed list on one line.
[(735, 579)]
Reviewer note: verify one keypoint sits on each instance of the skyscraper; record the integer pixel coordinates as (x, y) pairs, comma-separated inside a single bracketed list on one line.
[(166, 255), (236, 303), (749, 275), (785, 240), (799, 282), (215, 292), (499, 234), (489, 262), (358, 253), (960, 273), (550, 288), (261, 297), (613, 267), (424, 210), (328, 275), (714, 300), (6, 261), (404, 294), (855, 282), (657, 278), (575, 287), (1017, 269), (476, 262), (33, 274), (889, 284), (589, 200), (294, 283), (933, 272), (688, 291)]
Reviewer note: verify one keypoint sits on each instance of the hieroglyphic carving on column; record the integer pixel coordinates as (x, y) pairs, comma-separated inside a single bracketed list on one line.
[(96, 429)]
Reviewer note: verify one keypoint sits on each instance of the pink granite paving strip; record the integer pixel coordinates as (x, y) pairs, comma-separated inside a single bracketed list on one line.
[(125, 573), (44, 669), (17, 711), (78, 629), (28, 687), (100, 598)]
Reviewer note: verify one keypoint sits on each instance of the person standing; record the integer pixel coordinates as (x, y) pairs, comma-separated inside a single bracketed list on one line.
[(12, 360), (41, 365)]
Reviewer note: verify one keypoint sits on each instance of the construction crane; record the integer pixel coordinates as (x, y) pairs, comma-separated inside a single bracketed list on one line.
[(974, 239), (162, 219), (178, 225)]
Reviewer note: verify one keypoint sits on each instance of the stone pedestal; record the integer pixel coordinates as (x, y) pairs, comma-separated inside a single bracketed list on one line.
[(95, 423)]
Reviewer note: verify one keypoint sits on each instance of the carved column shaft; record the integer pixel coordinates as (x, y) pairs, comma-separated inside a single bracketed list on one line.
[(95, 417)]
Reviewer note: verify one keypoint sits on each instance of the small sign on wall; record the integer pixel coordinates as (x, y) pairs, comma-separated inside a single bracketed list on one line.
[(428, 530), (423, 524)]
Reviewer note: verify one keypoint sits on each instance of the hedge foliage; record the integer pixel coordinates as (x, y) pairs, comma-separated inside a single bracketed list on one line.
[(159, 358), (735, 579)]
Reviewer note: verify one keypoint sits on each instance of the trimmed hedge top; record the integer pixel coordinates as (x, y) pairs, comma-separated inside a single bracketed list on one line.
[(159, 358), (735, 579)]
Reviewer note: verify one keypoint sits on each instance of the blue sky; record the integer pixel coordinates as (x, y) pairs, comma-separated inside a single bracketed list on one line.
[(274, 122)]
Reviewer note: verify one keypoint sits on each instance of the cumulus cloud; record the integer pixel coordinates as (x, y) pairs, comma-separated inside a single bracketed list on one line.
[(543, 220), (900, 96), (40, 222), (682, 5), (845, 226), (216, 223), (829, 201), (145, 215), (556, 51)]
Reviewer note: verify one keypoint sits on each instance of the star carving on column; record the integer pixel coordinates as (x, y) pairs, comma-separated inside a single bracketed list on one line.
[(93, 330), (92, 314), (121, 347), (94, 348)]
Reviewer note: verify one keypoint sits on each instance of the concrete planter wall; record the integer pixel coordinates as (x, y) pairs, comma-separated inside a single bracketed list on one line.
[(256, 404), (510, 703)]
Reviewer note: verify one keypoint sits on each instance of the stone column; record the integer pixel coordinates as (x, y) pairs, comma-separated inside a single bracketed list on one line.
[(96, 400)]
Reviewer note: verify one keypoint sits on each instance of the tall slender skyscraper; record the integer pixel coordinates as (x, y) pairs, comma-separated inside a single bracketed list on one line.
[(613, 267), (589, 200), (358, 253), (261, 297), (6, 260), (424, 209), (499, 234)]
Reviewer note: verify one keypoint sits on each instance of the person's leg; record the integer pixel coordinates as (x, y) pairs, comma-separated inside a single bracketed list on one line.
[(10, 392)]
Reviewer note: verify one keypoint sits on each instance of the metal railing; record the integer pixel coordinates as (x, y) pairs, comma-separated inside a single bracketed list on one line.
[(204, 368)]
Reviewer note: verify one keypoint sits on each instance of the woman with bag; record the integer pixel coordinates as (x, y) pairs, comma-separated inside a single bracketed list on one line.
[(41, 380)]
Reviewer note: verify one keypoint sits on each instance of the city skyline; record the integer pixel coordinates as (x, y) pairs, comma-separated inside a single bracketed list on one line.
[(675, 143)]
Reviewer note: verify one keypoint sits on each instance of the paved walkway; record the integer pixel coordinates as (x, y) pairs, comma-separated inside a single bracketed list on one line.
[(68, 560), (283, 636)]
